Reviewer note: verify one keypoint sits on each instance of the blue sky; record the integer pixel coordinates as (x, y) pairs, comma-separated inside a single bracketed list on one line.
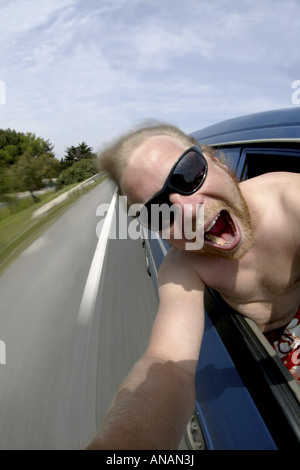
[(89, 70)]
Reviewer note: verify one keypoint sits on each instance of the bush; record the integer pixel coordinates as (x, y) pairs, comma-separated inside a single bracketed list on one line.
[(78, 172)]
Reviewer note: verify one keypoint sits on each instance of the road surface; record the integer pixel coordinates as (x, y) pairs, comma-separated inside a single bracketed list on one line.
[(62, 369)]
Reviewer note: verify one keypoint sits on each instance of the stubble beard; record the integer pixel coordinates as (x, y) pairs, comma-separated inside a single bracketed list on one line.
[(241, 213)]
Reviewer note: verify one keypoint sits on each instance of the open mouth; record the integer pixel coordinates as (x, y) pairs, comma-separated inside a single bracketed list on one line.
[(222, 232)]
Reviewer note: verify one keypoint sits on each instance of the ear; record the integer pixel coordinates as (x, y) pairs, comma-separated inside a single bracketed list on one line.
[(222, 162)]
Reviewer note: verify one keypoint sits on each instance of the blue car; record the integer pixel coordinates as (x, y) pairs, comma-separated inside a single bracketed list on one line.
[(246, 398)]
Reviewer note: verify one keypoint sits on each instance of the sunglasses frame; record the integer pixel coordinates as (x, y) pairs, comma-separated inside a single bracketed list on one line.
[(168, 186), (161, 197)]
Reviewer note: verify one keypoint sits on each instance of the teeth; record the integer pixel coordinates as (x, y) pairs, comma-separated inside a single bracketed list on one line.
[(233, 227), (216, 240), (212, 223)]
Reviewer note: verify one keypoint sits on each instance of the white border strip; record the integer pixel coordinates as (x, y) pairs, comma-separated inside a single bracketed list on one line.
[(253, 141), (88, 300)]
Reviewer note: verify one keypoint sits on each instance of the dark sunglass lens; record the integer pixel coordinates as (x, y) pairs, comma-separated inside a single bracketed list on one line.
[(189, 172)]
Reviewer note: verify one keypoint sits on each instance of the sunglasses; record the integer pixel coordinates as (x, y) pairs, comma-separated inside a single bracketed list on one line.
[(186, 176)]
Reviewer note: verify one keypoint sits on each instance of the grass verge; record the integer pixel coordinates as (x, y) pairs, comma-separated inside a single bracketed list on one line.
[(17, 228)]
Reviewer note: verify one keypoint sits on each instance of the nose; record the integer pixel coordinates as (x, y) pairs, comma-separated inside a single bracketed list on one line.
[(189, 205)]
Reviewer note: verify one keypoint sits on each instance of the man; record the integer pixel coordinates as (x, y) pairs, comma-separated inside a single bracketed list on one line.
[(251, 256)]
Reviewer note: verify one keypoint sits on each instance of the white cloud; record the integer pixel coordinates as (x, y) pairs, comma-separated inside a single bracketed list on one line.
[(21, 16), (87, 70), (157, 46)]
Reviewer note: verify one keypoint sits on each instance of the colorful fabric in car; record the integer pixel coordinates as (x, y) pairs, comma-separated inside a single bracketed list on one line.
[(286, 343)]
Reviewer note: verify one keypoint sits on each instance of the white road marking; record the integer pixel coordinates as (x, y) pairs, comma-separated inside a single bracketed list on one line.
[(88, 300)]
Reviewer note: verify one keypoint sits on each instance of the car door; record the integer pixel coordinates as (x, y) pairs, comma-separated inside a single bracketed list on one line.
[(275, 393)]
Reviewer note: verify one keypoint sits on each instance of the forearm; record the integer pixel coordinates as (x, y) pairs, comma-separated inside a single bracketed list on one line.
[(151, 408), (157, 399)]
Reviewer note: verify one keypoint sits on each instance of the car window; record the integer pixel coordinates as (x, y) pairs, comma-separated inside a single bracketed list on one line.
[(260, 161)]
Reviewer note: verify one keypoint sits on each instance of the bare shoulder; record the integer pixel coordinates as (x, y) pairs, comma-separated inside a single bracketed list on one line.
[(179, 268), (290, 192), (283, 180), (282, 186), (176, 256), (280, 178), (287, 188), (178, 260)]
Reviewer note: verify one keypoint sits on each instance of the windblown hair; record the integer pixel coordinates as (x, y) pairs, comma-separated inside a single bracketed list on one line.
[(115, 157)]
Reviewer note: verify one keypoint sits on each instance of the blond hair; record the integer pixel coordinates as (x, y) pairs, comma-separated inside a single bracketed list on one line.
[(115, 157)]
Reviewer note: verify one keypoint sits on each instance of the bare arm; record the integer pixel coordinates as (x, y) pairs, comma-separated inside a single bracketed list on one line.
[(157, 399)]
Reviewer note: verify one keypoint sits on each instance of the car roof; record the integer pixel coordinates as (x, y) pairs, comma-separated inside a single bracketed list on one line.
[(276, 125)]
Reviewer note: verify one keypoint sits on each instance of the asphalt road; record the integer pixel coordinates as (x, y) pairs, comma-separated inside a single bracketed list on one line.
[(61, 373)]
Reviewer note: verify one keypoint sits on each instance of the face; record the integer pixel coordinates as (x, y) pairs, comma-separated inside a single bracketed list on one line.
[(227, 226)]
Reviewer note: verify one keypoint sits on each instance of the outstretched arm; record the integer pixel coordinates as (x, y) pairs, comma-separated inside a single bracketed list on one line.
[(157, 399)]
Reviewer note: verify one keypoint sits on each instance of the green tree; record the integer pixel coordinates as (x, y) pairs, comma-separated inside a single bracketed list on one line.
[(4, 181), (78, 172), (75, 154), (29, 172), (5, 158), (13, 144), (35, 145), (25, 160)]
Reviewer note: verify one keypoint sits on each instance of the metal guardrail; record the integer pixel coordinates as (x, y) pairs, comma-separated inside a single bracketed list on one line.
[(63, 197)]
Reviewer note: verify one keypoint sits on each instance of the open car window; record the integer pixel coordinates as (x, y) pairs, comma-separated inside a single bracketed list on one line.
[(260, 161)]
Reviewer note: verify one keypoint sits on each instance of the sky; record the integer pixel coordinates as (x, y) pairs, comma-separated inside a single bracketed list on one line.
[(91, 70)]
